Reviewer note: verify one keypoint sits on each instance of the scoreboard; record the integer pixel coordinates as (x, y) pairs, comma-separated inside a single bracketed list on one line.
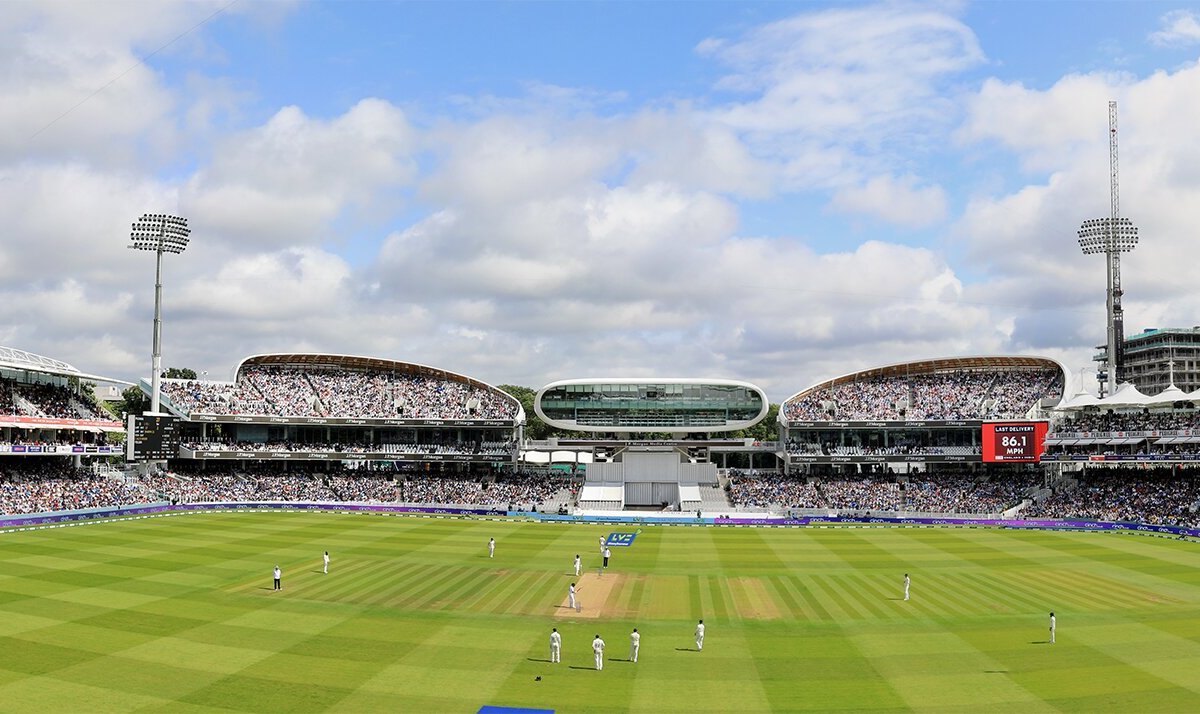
[(1014, 442), (152, 437)]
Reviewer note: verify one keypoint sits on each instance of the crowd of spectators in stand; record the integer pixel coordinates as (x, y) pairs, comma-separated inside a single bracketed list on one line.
[(41, 485), (522, 490), (963, 394), (366, 488), (948, 493), (1130, 421), (50, 401), (1153, 496), (290, 391), (488, 448), (769, 490), (1108, 435)]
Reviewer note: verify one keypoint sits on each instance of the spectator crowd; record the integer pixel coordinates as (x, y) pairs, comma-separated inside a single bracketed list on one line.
[(48, 401), (924, 493), (962, 394), (265, 390)]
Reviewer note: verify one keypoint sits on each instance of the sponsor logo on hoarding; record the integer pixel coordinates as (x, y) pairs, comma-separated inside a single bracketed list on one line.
[(620, 539)]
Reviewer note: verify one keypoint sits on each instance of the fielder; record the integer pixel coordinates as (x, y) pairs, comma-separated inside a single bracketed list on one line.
[(571, 596), (635, 641), (906, 584), (1053, 622), (607, 555), (326, 559), (491, 547), (598, 650), (555, 645), (700, 636), (278, 576), (578, 565)]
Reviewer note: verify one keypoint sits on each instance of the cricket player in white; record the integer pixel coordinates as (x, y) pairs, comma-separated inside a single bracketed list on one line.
[(598, 650), (555, 645), (906, 584), (278, 575), (635, 641), (700, 635), (326, 558), (578, 565), (1053, 622), (491, 547), (571, 596), (601, 545)]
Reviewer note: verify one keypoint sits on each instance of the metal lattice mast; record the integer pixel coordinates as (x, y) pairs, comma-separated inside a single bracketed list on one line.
[(1116, 316), (1111, 236)]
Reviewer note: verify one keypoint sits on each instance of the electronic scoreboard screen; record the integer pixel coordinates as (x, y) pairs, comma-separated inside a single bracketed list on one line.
[(152, 437), (1017, 441)]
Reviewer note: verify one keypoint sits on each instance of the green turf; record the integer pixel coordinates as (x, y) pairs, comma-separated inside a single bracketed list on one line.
[(177, 614)]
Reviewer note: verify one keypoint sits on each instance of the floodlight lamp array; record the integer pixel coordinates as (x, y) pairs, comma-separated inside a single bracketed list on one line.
[(1108, 235), (159, 231)]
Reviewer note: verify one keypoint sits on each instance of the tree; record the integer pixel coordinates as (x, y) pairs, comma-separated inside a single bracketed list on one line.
[(768, 428), (535, 428), (133, 401), (180, 373)]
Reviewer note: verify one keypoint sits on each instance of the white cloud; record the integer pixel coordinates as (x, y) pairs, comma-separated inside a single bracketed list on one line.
[(899, 201), (287, 181), (1179, 28), (846, 76)]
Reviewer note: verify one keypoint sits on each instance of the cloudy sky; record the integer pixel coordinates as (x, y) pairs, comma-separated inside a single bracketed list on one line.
[(523, 192)]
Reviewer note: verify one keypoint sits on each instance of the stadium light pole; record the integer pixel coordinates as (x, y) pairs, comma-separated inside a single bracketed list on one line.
[(160, 233), (1111, 236)]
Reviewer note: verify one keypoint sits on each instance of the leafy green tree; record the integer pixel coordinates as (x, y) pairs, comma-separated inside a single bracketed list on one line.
[(535, 428), (768, 428), (133, 401), (180, 373)]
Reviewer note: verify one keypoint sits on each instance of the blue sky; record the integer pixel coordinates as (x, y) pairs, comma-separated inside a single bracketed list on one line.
[(523, 192)]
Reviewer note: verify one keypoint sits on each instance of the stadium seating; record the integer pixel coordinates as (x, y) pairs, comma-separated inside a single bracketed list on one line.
[(960, 394), (265, 390)]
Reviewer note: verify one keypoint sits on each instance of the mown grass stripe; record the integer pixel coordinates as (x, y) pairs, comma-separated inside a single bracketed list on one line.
[(516, 599), (719, 599), (438, 597), (835, 604), (786, 601), (694, 595), (367, 585), (432, 577), (802, 586)]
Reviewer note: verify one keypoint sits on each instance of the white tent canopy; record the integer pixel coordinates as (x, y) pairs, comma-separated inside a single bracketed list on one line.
[(1126, 395), (1080, 400), (1169, 396)]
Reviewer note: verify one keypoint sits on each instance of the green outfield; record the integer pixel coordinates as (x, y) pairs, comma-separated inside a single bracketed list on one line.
[(177, 614)]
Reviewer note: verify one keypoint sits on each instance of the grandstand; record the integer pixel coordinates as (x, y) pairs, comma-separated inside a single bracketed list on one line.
[(47, 408), (921, 413), (1126, 426), (346, 409)]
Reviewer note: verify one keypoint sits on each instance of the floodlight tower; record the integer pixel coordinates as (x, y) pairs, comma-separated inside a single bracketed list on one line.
[(1111, 236), (162, 234)]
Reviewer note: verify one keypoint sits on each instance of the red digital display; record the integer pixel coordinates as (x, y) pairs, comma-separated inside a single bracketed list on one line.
[(1014, 441)]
